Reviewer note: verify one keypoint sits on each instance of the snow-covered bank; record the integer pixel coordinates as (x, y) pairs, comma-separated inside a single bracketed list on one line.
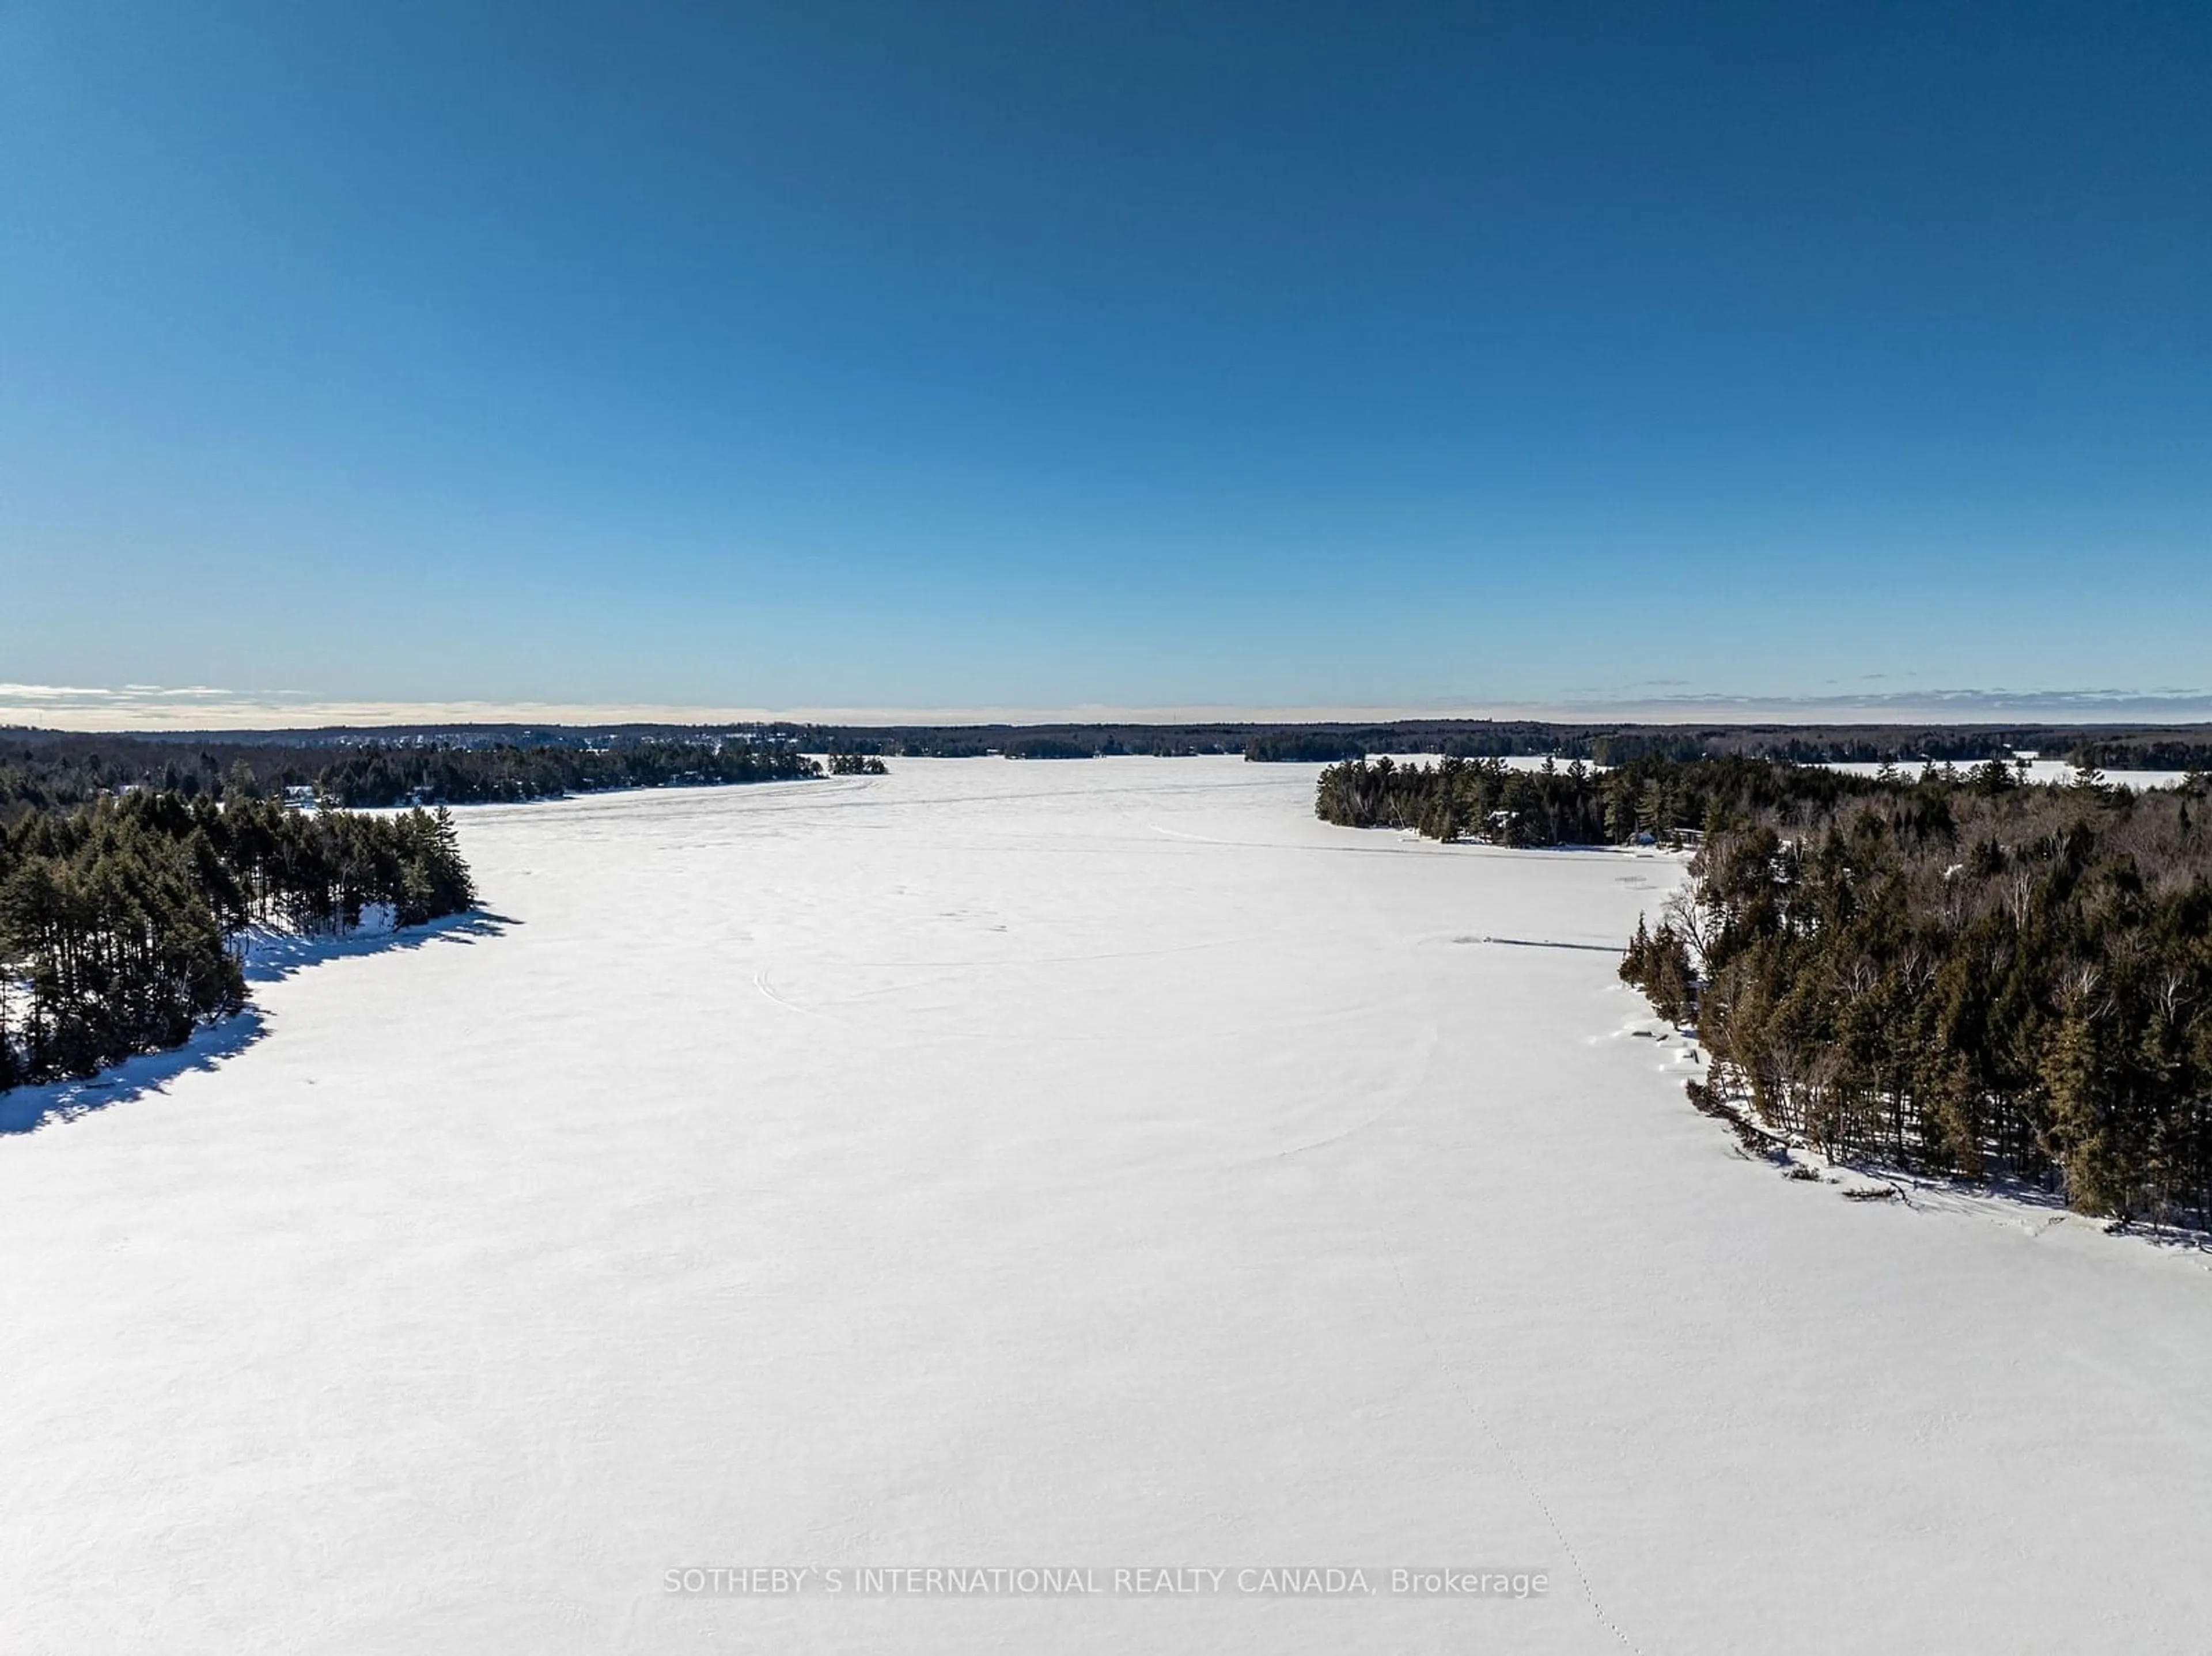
[(271, 953), (26, 1108), (1001, 1164), (268, 954)]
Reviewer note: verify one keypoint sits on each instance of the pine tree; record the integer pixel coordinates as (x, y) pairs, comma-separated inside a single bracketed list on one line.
[(2078, 1134)]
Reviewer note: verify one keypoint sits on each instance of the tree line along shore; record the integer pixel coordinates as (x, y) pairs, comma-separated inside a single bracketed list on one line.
[(48, 770), (119, 918), (128, 869), (465, 763), (1958, 974)]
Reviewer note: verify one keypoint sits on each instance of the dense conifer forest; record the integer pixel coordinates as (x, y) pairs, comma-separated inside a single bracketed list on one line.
[(1957, 975), (47, 769), (1302, 748), (129, 865), (118, 919), (391, 776), (1572, 803), (1972, 979)]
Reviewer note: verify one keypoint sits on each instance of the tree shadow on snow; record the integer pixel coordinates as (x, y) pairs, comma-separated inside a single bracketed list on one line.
[(269, 957)]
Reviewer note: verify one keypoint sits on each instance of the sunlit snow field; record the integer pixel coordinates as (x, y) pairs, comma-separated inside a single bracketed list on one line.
[(2057, 771), (994, 1164)]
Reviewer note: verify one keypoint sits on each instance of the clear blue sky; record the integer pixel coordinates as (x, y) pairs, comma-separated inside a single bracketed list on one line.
[(948, 354)]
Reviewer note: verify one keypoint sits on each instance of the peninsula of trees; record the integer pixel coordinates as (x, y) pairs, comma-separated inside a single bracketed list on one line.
[(119, 918), (1968, 979), (1957, 975), (1573, 803), (129, 865)]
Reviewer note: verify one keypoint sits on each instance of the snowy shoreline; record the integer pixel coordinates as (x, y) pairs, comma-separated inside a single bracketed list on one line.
[(269, 955)]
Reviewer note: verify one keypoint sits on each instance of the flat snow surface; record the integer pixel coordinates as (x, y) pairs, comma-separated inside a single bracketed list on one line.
[(997, 1164)]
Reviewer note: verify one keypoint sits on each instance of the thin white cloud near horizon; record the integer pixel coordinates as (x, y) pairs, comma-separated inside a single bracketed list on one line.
[(205, 708)]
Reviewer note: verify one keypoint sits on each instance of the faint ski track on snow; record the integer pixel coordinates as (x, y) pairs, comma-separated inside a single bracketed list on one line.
[(1398, 850), (760, 982), (1374, 1120), (1512, 1461), (1410, 1310), (1544, 943), (1023, 962)]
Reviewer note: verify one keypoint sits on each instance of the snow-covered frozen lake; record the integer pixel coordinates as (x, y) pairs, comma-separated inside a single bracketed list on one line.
[(1095, 1163)]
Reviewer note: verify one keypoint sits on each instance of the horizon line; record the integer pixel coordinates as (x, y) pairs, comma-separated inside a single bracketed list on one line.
[(205, 710)]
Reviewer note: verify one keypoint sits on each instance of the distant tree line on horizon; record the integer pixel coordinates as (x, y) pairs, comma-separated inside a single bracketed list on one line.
[(2143, 748), (482, 761), (118, 917), (1302, 748), (47, 771), (2111, 747), (393, 776), (2174, 749)]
